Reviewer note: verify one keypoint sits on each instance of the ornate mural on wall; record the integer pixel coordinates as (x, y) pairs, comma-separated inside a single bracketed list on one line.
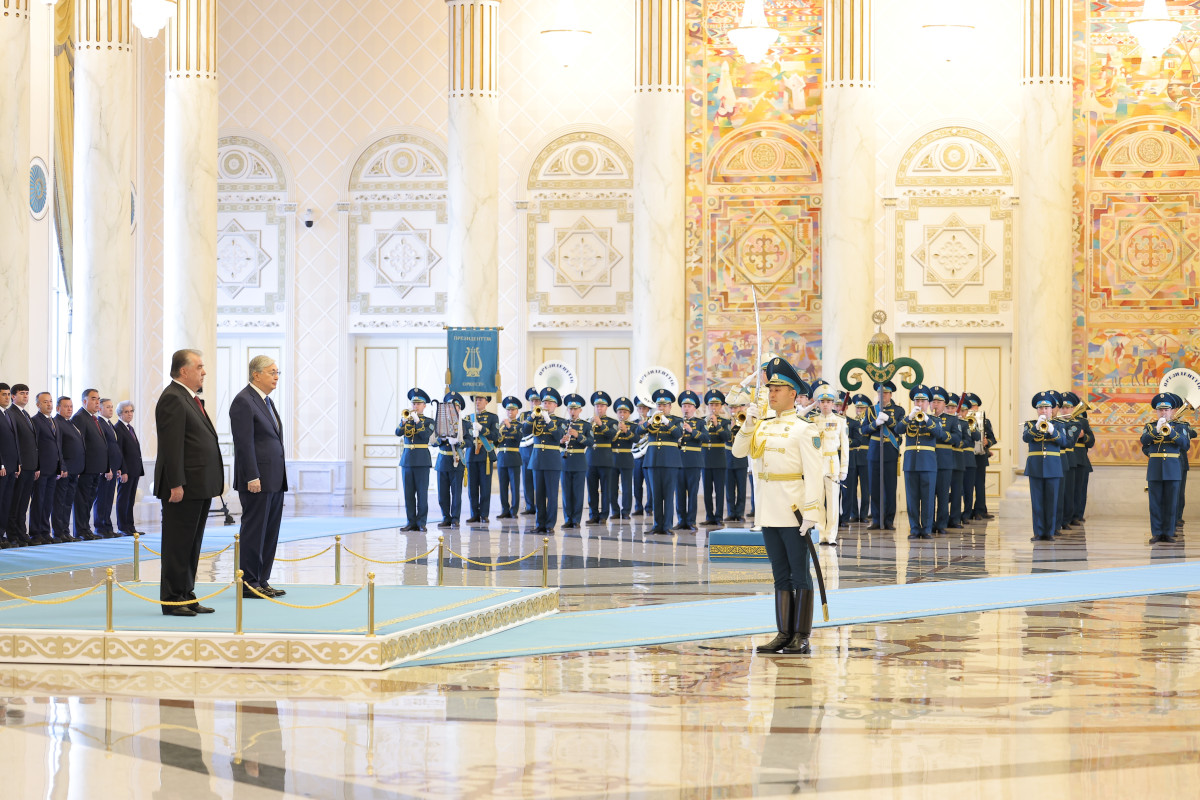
[(753, 192), (1137, 197)]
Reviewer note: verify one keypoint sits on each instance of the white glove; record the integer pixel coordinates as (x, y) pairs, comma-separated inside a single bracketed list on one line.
[(842, 478), (477, 430), (809, 525), (751, 416), (884, 419)]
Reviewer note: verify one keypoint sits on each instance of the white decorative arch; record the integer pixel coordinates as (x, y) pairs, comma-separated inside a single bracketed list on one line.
[(766, 153), (955, 155)]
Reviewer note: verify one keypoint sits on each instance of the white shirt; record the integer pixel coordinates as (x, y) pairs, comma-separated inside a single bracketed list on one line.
[(189, 391)]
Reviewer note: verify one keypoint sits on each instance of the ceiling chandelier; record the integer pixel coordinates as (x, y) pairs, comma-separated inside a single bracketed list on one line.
[(753, 36), (151, 16), (567, 38), (1154, 28)]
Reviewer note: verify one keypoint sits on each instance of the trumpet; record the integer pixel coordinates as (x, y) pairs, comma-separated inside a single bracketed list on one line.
[(971, 424), (918, 417), (1163, 426), (658, 419), (406, 415), (1043, 425)]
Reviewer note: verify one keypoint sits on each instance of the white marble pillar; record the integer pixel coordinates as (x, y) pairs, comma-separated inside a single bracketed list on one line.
[(190, 184), (659, 298), (1044, 260), (473, 174), (848, 184), (14, 188), (102, 253)]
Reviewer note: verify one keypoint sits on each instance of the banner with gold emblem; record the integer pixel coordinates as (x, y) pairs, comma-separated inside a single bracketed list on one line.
[(473, 360)]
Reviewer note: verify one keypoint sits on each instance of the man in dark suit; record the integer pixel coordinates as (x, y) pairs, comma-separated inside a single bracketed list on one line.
[(259, 474), (10, 461), (71, 444), (188, 474), (95, 462), (107, 492), (18, 532), (131, 460), (50, 470)]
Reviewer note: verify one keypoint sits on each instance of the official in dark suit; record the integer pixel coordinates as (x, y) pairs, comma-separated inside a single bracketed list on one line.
[(50, 470), (131, 459), (107, 491), (95, 462), (188, 474), (27, 447), (71, 444), (259, 473), (10, 461)]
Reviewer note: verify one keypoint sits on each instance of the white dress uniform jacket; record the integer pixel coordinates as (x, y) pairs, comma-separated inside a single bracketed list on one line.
[(786, 454)]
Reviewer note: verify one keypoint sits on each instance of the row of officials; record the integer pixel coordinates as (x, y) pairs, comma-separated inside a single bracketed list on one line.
[(648, 461)]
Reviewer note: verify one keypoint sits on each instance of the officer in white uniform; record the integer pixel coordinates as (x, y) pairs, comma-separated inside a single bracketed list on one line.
[(835, 457)]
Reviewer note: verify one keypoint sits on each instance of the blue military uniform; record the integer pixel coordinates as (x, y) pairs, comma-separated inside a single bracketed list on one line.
[(959, 475), (662, 460), (481, 453), (687, 481), (714, 471), (736, 474), (415, 462), (967, 456), (1165, 446), (921, 439), (600, 462), (1043, 467), (623, 462), (856, 492), (883, 445), (641, 443), (509, 462), (945, 455), (575, 467), (450, 469), (1070, 463), (535, 402), (1183, 462), (546, 461), (982, 460), (1085, 442)]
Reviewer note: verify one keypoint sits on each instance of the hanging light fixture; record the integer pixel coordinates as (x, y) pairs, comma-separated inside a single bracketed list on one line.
[(1154, 28), (151, 16), (567, 38), (753, 36), (951, 35)]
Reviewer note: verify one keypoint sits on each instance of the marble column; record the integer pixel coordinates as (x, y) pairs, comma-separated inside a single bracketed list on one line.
[(190, 184), (14, 188), (473, 174), (848, 181), (102, 254), (659, 298), (1044, 256)]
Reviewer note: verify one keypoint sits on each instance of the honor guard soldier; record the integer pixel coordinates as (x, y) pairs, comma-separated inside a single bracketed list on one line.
[(882, 423), (1083, 467), (787, 456), (714, 472), (961, 447), (856, 501), (508, 458), (577, 438), (662, 460), (1043, 465), (835, 458), (966, 455), (641, 443), (450, 468), (415, 461), (1165, 443), (923, 432), (483, 429), (944, 452), (547, 460), (600, 460), (807, 405), (622, 447), (1066, 495), (736, 468), (534, 398), (983, 457), (691, 446)]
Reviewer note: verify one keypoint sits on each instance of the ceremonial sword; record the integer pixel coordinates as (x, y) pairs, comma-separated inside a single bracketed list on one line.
[(816, 559)]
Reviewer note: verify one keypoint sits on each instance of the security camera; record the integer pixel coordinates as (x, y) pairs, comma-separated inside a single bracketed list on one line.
[(308, 218)]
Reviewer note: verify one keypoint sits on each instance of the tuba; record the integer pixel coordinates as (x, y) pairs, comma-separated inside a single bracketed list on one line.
[(652, 380), (1183, 382), (556, 375)]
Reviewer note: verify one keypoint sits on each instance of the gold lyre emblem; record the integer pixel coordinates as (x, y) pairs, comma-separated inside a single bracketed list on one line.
[(473, 363)]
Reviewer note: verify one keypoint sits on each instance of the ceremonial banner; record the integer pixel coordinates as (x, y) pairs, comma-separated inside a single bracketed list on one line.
[(473, 360)]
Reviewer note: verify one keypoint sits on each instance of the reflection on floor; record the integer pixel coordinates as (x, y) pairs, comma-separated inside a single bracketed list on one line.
[(1098, 699)]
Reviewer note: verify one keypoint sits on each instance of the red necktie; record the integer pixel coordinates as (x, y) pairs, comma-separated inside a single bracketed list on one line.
[(131, 433), (97, 421), (200, 403)]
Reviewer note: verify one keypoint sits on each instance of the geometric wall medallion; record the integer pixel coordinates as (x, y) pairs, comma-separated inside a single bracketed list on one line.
[(240, 259), (766, 252), (582, 257), (402, 258), (953, 255)]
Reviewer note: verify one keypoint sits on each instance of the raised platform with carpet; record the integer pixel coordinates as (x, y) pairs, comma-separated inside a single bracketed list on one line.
[(736, 545), (410, 622)]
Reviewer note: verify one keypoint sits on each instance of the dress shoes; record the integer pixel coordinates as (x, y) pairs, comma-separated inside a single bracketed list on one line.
[(1042, 539), (178, 611), (637, 512), (592, 520), (199, 609), (680, 526), (505, 516), (540, 529), (473, 520), (271, 590), (249, 594), (874, 527), (798, 646), (109, 534), (529, 512), (422, 528), (567, 525), (86, 536), (829, 544), (954, 525), (409, 527), (445, 524)]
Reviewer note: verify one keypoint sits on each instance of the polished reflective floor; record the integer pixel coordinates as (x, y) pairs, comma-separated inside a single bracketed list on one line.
[(1098, 699)]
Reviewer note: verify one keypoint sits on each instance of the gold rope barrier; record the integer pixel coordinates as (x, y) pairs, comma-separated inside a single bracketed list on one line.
[(302, 608), (531, 554), (60, 601), (377, 561), (214, 555), (121, 586), (306, 558), (205, 556)]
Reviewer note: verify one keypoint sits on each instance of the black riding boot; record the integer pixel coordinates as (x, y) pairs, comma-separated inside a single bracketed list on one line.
[(798, 646), (785, 603)]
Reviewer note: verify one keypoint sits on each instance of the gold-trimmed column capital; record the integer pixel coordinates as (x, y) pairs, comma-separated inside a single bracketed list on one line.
[(658, 61), (14, 9), (849, 61), (474, 28), (103, 25), (192, 40), (1047, 55)]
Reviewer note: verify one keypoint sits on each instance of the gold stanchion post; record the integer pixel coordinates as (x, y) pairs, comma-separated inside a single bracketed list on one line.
[(441, 560), (545, 562), (237, 599), (137, 557), (370, 604), (237, 551), (337, 561), (108, 600)]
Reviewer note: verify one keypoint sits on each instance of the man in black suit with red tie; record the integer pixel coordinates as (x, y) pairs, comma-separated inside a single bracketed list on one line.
[(18, 532), (10, 461), (71, 444), (107, 491), (188, 474), (95, 462), (259, 474), (50, 469), (131, 459)]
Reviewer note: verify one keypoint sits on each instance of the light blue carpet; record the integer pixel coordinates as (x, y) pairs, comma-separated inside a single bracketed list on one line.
[(43, 559), (741, 616)]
